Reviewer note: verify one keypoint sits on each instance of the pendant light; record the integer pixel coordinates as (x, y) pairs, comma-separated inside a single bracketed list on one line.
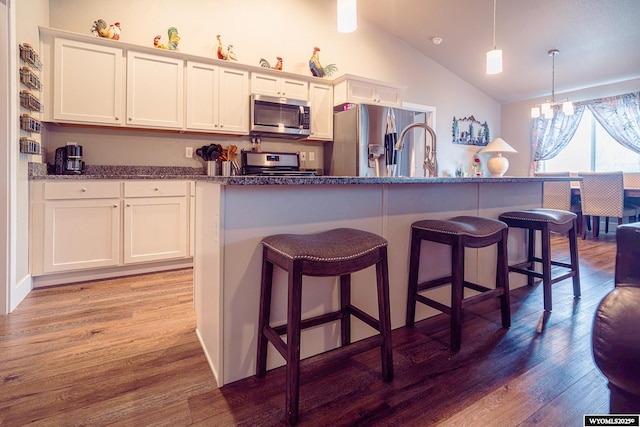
[(494, 57), (548, 108), (347, 16)]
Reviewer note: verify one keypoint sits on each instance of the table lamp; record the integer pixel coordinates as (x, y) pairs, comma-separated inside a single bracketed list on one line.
[(497, 164)]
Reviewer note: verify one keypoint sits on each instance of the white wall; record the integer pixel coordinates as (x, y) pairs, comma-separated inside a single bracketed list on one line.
[(5, 176), (28, 15), (516, 120), (287, 28)]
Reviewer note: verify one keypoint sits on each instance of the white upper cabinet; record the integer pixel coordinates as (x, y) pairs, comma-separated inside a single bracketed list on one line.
[(155, 91), (363, 91), (287, 87), (88, 83), (217, 99), (321, 98)]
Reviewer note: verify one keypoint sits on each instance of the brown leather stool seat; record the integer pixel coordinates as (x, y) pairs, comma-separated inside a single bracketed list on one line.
[(337, 252), (460, 232), (547, 221)]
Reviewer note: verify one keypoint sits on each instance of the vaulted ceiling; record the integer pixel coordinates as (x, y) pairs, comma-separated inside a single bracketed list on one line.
[(598, 40)]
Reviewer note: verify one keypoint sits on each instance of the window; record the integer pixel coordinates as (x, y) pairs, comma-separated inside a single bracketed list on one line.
[(593, 149)]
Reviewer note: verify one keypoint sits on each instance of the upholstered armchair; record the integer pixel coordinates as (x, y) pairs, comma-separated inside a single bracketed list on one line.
[(616, 334)]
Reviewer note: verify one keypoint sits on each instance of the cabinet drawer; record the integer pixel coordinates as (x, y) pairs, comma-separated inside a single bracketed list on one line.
[(81, 190), (155, 188)]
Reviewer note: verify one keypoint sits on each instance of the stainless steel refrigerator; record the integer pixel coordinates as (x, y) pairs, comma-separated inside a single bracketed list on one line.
[(364, 139)]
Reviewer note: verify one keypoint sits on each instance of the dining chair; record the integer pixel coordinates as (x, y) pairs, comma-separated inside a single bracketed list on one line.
[(602, 195), (557, 195)]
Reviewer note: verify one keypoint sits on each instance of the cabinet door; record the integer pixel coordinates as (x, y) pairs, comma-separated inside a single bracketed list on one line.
[(81, 234), (87, 83), (155, 91), (358, 92), (155, 228), (388, 96), (266, 84), (202, 96), (321, 97), (234, 101), (297, 89)]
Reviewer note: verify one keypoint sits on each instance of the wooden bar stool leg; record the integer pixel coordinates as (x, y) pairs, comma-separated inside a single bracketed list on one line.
[(457, 292), (294, 320), (502, 280), (345, 302), (412, 288), (531, 254), (265, 313), (546, 267), (384, 316), (575, 264)]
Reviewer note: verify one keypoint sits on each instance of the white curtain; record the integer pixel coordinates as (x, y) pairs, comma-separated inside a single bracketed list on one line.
[(620, 117), (550, 136)]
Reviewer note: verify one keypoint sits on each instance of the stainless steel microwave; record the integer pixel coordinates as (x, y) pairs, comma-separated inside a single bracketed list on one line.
[(280, 117)]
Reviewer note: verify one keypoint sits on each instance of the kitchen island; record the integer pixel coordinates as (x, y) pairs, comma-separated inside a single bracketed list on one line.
[(234, 213)]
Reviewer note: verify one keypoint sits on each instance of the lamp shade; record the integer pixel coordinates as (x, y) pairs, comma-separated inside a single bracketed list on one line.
[(494, 61), (497, 164), (498, 145), (347, 16)]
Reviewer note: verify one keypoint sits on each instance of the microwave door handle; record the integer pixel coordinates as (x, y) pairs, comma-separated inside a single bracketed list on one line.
[(301, 118)]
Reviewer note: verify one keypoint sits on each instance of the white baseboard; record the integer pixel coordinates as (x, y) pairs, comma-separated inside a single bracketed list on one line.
[(105, 273), (206, 354)]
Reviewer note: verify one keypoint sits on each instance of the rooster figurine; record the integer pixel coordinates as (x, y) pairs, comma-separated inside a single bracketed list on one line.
[(264, 63), (317, 69), (101, 29), (229, 54), (174, 38)]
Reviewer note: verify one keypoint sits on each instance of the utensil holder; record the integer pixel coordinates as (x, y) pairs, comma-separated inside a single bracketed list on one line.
[(226, 168), (212, 167)]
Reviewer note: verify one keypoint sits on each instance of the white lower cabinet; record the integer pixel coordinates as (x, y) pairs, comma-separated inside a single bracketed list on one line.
[(81, 234), (83, 224), (155, 228)]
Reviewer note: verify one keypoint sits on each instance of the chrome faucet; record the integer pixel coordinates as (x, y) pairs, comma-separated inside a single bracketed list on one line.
[(430, 166)]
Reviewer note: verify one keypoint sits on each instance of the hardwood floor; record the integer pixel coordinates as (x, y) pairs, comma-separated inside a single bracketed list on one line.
[(124, 352)]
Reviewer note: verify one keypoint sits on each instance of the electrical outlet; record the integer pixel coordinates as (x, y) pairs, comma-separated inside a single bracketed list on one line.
[(312, 156), (188, 152), (303, 156)]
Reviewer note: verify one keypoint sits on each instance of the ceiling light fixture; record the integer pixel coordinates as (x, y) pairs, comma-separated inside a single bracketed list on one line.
[(347, 16), (494, 57), (436, 40), (548, 107)]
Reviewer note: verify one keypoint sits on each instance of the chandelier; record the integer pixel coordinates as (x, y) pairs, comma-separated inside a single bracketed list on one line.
[(548, 107)]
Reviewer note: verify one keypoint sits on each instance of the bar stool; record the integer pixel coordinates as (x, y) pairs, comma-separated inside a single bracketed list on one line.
[(547, 221), (459, 232), (337, 252)]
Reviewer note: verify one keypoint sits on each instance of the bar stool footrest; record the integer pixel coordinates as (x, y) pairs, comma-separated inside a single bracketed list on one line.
[(311, 322), (365, 317)]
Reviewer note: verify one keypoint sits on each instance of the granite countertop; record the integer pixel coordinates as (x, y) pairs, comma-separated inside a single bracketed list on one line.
[(38, 171)]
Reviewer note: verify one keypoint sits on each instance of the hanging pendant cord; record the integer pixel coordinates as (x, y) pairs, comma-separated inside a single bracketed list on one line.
[(494, 24), (553, 77)]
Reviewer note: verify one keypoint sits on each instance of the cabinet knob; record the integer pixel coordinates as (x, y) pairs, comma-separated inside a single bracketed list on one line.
[(130, 119), (83, 190), (115, 206), (128, 205), (156, 189), (117, 118)]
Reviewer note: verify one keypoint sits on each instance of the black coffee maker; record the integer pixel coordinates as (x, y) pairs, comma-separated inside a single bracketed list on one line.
[(69, 160)]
